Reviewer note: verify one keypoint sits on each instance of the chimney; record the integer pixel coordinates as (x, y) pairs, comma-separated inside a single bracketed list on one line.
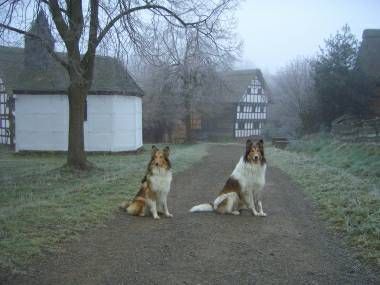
[(36, 56)]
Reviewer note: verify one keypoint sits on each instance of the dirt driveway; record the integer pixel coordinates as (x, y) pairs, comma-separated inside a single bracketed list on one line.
[(290, 246)]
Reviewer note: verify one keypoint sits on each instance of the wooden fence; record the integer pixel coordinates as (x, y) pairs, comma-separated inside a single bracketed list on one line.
[(363, 130)]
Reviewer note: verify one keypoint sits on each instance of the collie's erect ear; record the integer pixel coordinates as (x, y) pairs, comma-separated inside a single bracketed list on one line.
[(166, 151), (154, 150), (248, 145), (260, 144)]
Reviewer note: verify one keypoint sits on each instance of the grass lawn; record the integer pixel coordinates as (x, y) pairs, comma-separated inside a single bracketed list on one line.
[(42, 205), (344, 180)]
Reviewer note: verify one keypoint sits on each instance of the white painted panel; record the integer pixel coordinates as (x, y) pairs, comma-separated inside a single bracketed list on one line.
[(124, 105), (33, 140), (99, 123), (41, 122), (124, 122), (99, 105), (45, 122), (139, 128), (127, 120), (98, 129), (42, 104)]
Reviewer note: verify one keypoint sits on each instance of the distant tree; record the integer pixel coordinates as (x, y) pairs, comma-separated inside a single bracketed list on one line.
[(294, 105), (340, 88), (163, 105), (196, 64), (189, 76), (167, 103), (81, 27)]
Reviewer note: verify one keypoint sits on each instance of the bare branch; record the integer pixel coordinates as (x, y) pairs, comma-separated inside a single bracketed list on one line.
[(145, 7), (89, 57), (60, 23)]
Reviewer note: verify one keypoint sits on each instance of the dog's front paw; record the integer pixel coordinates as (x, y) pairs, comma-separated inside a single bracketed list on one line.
[(255, 213), (262, 214), (168, 215), (156, 217)]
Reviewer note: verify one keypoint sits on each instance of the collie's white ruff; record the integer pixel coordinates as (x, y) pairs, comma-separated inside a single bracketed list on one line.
[(160, 183)]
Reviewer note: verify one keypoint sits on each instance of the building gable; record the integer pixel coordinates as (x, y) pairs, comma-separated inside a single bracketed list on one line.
[(251, 109)]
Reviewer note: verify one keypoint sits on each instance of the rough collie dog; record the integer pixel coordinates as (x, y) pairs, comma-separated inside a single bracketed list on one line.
[(244, 187), (154, 189)]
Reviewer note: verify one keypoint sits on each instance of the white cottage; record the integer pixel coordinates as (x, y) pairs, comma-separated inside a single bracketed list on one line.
[(38, 84)]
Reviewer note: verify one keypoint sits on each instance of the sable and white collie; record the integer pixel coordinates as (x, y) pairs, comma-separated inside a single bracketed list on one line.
[(244, 187), (154, 189)]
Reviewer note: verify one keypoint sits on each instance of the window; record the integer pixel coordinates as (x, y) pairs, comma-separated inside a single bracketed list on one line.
[(259, 90), (249, 90)]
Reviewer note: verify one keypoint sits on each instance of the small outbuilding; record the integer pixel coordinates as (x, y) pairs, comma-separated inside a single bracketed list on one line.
[(38, 86)]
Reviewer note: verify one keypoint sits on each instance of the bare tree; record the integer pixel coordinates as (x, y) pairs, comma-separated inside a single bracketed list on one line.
[(195, 65), (164, 102), (81, 27), (163, 105), (294, 97)]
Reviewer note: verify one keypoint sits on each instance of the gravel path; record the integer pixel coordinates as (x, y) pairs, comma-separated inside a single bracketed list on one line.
[(290, 246)]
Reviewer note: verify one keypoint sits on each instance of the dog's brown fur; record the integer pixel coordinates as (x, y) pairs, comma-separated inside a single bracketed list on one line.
[(140, 204), (243, 188)]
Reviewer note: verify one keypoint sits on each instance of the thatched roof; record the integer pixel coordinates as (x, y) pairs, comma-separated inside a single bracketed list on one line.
[(110, 76), (369, 53), (236, 83)]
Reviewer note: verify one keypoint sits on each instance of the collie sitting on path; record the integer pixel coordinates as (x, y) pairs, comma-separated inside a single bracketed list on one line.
[(244, 187), (154, 189)]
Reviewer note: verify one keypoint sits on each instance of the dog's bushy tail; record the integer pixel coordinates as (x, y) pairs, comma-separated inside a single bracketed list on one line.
[(123, 206), (207, 207), (133, 208)]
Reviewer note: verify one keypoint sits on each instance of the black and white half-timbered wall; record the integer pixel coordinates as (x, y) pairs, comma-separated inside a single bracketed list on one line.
[(239, 109), (251, 110)]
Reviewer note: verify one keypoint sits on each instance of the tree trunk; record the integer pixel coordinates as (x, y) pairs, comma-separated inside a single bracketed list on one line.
[(189, 136), (76, 157), (187, 105)]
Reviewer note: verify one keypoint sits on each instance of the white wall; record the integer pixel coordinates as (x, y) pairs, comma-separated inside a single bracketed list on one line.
[(41, 122), (114, 123)]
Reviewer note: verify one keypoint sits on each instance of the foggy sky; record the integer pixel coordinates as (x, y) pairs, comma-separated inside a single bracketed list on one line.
[(277, 31)]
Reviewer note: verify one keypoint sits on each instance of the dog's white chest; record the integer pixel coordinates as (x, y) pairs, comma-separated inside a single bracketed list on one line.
[(161, 180), (250, 177)]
